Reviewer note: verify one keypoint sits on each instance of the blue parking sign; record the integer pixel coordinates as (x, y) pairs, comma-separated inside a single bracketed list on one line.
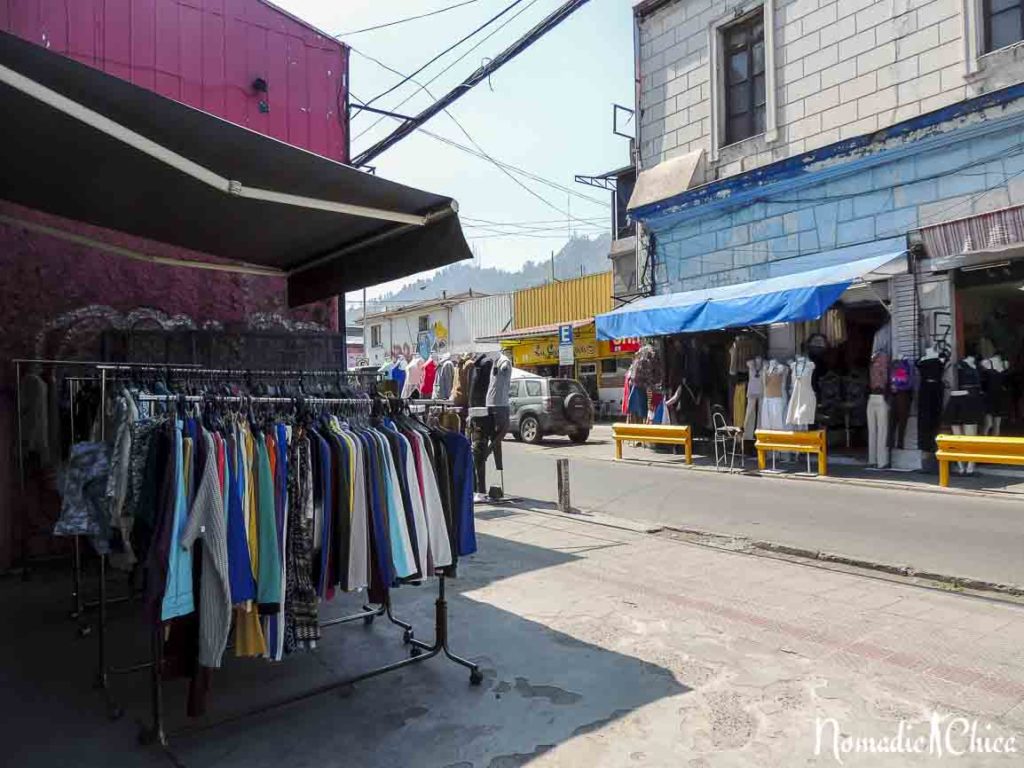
[(565, 336)]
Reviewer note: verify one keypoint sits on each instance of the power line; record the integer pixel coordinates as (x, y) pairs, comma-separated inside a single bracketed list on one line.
[(408, 18), (449, 49), (539, 30), (462, 56), (469, 150)]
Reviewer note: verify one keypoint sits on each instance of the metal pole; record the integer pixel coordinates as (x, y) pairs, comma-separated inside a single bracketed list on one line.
[(564, 503)]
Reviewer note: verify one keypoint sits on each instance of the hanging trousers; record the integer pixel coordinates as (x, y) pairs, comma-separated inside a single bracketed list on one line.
[(878, 431), (900, 416), (750, 419)]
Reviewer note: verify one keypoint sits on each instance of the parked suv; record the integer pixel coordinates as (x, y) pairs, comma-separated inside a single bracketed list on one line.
[(539, 407)]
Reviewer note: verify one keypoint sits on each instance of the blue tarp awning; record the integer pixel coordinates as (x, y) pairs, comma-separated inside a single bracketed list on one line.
[(786, 299)]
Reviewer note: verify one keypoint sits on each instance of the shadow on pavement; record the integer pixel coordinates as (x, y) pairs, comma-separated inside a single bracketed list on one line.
[(541, 687)]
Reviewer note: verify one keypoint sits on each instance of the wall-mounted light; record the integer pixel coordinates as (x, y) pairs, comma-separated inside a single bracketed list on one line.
[(259, 85)]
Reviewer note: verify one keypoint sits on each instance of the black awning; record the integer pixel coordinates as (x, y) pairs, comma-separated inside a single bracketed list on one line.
[(205, 183)]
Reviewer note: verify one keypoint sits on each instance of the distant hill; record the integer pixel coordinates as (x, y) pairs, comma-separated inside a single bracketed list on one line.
[(580, 255)]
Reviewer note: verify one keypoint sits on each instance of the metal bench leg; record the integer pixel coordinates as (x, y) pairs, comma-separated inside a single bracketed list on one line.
[(943, 473)]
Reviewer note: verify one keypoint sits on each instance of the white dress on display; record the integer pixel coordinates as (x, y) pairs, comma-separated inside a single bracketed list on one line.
[(773, 406), (803, 403)]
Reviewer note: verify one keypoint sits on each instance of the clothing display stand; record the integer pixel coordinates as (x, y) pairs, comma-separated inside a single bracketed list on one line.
[(156, 732), (108, 373)]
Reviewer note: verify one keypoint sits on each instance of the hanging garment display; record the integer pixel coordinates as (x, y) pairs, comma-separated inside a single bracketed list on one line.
[(878, 430), (755, 396), (966, 404), (414, 373), (773, 406), (803, 403), (429, 374), (929, 401)]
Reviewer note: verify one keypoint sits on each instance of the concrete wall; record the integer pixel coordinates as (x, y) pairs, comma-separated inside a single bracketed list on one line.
[(843, 68), (956, 178)]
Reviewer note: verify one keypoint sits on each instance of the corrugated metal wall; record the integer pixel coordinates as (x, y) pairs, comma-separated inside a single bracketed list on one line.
[(205, 53), (576, 299), (474, 319)]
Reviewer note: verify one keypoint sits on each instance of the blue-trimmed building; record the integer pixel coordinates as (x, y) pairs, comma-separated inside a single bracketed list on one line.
[(781, 138)]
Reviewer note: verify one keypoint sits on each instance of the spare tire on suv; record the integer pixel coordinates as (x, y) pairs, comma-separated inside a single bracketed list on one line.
[(577, 409)]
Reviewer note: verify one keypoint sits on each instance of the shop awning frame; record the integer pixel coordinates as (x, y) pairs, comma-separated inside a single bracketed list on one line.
[(788, 298), (90, 147)]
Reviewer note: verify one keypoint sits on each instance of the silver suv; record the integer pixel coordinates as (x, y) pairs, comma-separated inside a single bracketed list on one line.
[(540, 407)]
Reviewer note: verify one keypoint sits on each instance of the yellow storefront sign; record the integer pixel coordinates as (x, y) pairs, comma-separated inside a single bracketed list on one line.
[(544, 350)]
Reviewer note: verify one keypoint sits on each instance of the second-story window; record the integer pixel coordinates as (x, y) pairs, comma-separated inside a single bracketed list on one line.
[(743, 54), (424, 323), (375, 336), (1004, 23)]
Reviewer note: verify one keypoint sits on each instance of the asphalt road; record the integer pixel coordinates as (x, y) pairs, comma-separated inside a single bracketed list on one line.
[(972, 536)]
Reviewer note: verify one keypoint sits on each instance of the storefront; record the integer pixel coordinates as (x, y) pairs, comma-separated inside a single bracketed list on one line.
[(600, 365), (809, 349), (981, 261)]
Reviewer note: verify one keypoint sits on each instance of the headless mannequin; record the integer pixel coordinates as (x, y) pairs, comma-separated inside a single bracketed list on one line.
[(965, 429), (994, 421)]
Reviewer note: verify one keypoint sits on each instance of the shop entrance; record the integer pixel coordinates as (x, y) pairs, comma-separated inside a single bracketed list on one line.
[(990, 319)]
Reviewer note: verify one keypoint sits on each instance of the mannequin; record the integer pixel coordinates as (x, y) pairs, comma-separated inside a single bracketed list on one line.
[(878, 409), (489, 427), (755, 395), (413, 378), (445, 379), (966, 407), (773, 405), (803, 403), (930, 370), (996, 395)]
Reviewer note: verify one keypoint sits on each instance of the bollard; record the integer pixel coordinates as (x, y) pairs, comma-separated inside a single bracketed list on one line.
[(564, 504)]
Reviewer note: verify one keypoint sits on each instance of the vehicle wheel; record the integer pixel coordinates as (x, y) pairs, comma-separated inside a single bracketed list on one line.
[(529, 429), (579, 436)]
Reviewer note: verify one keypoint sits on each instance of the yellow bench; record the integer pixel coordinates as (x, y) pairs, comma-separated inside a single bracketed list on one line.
[(977, 449), (811, 441), (668, 434)]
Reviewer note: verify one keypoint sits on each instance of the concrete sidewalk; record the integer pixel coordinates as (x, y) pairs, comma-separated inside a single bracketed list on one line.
[(600, 647)]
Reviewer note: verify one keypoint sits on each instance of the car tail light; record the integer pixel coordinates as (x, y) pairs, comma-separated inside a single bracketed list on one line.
[(551, 403)]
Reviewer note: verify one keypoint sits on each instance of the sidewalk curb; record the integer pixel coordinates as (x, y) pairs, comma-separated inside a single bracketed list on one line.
[(878, 484), (835, 558), (591, 518)]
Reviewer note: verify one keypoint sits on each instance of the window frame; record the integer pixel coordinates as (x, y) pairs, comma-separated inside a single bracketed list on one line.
[(422, 323), (719, 77), (986, 14), (376, 336), (746, 52), (513, 389), (536, 383), (974, 35)]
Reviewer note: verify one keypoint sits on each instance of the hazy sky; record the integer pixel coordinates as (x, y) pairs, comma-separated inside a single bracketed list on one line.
[(548, 112)]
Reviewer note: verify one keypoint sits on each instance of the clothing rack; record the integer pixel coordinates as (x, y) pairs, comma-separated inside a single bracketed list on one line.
[(419, 651)]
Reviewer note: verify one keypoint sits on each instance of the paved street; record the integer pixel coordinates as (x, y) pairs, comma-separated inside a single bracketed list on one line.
[(954, 534), (600, 647)]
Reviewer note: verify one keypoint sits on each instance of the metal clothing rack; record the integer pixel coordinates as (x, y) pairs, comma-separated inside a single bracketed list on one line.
[(419, 651)]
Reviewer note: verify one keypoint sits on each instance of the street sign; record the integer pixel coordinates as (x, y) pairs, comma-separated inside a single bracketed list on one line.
[(566, 352)]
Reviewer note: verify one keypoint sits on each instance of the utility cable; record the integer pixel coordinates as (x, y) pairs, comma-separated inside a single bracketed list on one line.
[(407, 18), (449, 49), (462, 56)]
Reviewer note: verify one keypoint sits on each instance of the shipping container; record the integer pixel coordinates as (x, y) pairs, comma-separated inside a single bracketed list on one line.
[(562, 302)]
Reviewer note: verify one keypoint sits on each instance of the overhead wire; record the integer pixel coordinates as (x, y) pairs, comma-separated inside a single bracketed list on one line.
[(462, 56), (408, 18), (449, 49)]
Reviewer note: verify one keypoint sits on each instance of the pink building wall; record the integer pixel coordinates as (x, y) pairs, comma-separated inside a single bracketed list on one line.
[(205, 53), (56, 297)]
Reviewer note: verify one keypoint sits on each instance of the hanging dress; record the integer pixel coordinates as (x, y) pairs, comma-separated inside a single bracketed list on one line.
[(803, 403)]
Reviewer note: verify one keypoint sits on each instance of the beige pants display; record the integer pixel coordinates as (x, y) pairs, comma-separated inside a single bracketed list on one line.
[(878, 431)]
